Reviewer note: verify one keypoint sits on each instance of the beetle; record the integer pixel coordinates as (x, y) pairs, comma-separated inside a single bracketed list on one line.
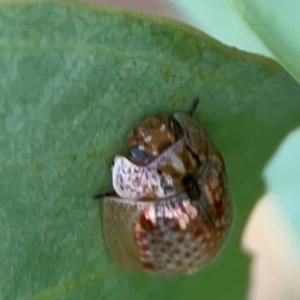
[(171, 210)]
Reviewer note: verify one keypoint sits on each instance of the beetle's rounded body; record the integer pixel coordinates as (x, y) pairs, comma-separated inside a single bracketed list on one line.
[(172, 211)]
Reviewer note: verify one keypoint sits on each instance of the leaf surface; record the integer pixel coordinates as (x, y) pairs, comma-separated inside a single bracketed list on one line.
[(74, 80)]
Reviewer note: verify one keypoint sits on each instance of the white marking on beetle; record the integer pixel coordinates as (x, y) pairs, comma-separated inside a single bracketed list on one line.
[(162, 127), (151, 214), (208, 194), (148, 139)]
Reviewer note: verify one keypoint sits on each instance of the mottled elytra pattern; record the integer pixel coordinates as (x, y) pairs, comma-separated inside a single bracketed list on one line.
[(215, 189), (171, 216), (182, 237), (173, 239)]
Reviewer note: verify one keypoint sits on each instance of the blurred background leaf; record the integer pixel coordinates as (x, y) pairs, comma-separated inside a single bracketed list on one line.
[(74, 80), (270, 28), (218, 19), (277, 23)]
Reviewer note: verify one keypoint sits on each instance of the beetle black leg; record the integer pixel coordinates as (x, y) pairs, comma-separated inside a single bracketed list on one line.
[(194, 107), (99, 196), (192, 189)]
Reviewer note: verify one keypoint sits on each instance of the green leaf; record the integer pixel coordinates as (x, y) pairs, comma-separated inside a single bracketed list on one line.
[(277, 23), (218, 19), (74, 80)]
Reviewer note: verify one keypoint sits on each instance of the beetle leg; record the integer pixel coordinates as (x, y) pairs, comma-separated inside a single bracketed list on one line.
[(99, 196), (193, 191), (194, 107)]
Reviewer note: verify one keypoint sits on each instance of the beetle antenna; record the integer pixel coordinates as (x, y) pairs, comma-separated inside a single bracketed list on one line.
[(99, 196), (194, 106)]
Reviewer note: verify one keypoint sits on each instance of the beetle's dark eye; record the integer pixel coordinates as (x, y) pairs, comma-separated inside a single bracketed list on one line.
[(176, 126), (137, 154)]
